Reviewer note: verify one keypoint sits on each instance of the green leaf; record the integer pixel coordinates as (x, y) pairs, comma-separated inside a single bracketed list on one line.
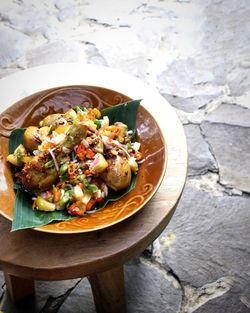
[(16, 138), (24, 216), (125, 113)]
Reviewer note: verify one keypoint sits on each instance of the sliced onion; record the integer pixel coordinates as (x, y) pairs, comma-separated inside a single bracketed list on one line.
[(122, 147), (54, 159), (36, 152), (141, 161), (94, 162), (69, 186), (107, 144), (62, 121), (98, 193), (66, 150), (136, 146), (105, 190), (57, 138), (85, 143), (62, 193)]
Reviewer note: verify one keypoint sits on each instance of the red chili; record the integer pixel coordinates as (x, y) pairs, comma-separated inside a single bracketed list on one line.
[(76, 209), (90, 153), (87, 172), (80, 152), (90, 204)]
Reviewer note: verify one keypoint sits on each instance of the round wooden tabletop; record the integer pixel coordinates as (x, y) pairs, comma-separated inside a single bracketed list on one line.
[(47, 256)]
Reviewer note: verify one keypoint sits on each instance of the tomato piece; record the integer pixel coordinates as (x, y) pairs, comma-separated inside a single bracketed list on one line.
[(87, 172), (76, 209), (90, 204), (81, 185), (80, 152)]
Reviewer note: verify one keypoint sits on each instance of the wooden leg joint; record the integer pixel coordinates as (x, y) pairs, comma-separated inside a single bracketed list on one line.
[(108, 291), (18, 288)]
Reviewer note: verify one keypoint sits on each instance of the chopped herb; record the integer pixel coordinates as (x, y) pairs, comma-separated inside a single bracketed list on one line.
[(49, 164), (63, 168), (98, 123)]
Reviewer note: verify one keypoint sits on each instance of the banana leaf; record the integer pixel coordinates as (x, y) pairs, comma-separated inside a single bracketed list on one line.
[(24, 216), (16, 138)]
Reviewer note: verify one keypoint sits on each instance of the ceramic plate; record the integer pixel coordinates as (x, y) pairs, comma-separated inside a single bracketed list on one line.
[(31, 109)]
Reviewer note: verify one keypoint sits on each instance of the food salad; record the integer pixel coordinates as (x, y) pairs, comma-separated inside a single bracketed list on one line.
[(72, 160)]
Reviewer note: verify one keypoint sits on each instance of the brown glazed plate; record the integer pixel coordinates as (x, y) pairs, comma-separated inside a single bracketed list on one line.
[(30, 110)]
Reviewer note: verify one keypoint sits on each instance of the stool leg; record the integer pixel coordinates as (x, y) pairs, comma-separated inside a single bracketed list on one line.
[(18, 288), (108, 291)]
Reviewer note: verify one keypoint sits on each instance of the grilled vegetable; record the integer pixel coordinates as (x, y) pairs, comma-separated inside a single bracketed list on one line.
[(99, 164), (44, 205), (52, 120), (74, 135), (32, 138), (35, 176), (118, 174), (123, 128), (17, 157)]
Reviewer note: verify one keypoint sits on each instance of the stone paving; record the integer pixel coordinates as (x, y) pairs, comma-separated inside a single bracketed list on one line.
[(197, 54)]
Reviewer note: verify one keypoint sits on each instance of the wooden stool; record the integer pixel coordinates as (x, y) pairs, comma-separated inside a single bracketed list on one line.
[(30, 255)]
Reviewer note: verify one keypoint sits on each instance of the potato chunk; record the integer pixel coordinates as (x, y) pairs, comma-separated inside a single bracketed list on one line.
[(118, 174), (31, 138), (36, 177)]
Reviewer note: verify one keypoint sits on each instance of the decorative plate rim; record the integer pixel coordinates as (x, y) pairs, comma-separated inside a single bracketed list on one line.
[(155, 187)]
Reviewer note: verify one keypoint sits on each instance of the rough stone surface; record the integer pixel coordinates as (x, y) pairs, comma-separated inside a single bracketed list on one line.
[(55, 52), (196, 54), (200, 158), (81, 297), (52, 290), (16, 43), (148, 290), (48, 295), (228, 302), (27, 305), (186, 78), (208, 239), (224, 33), (231, 148), (230, 114), (189, 104)]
